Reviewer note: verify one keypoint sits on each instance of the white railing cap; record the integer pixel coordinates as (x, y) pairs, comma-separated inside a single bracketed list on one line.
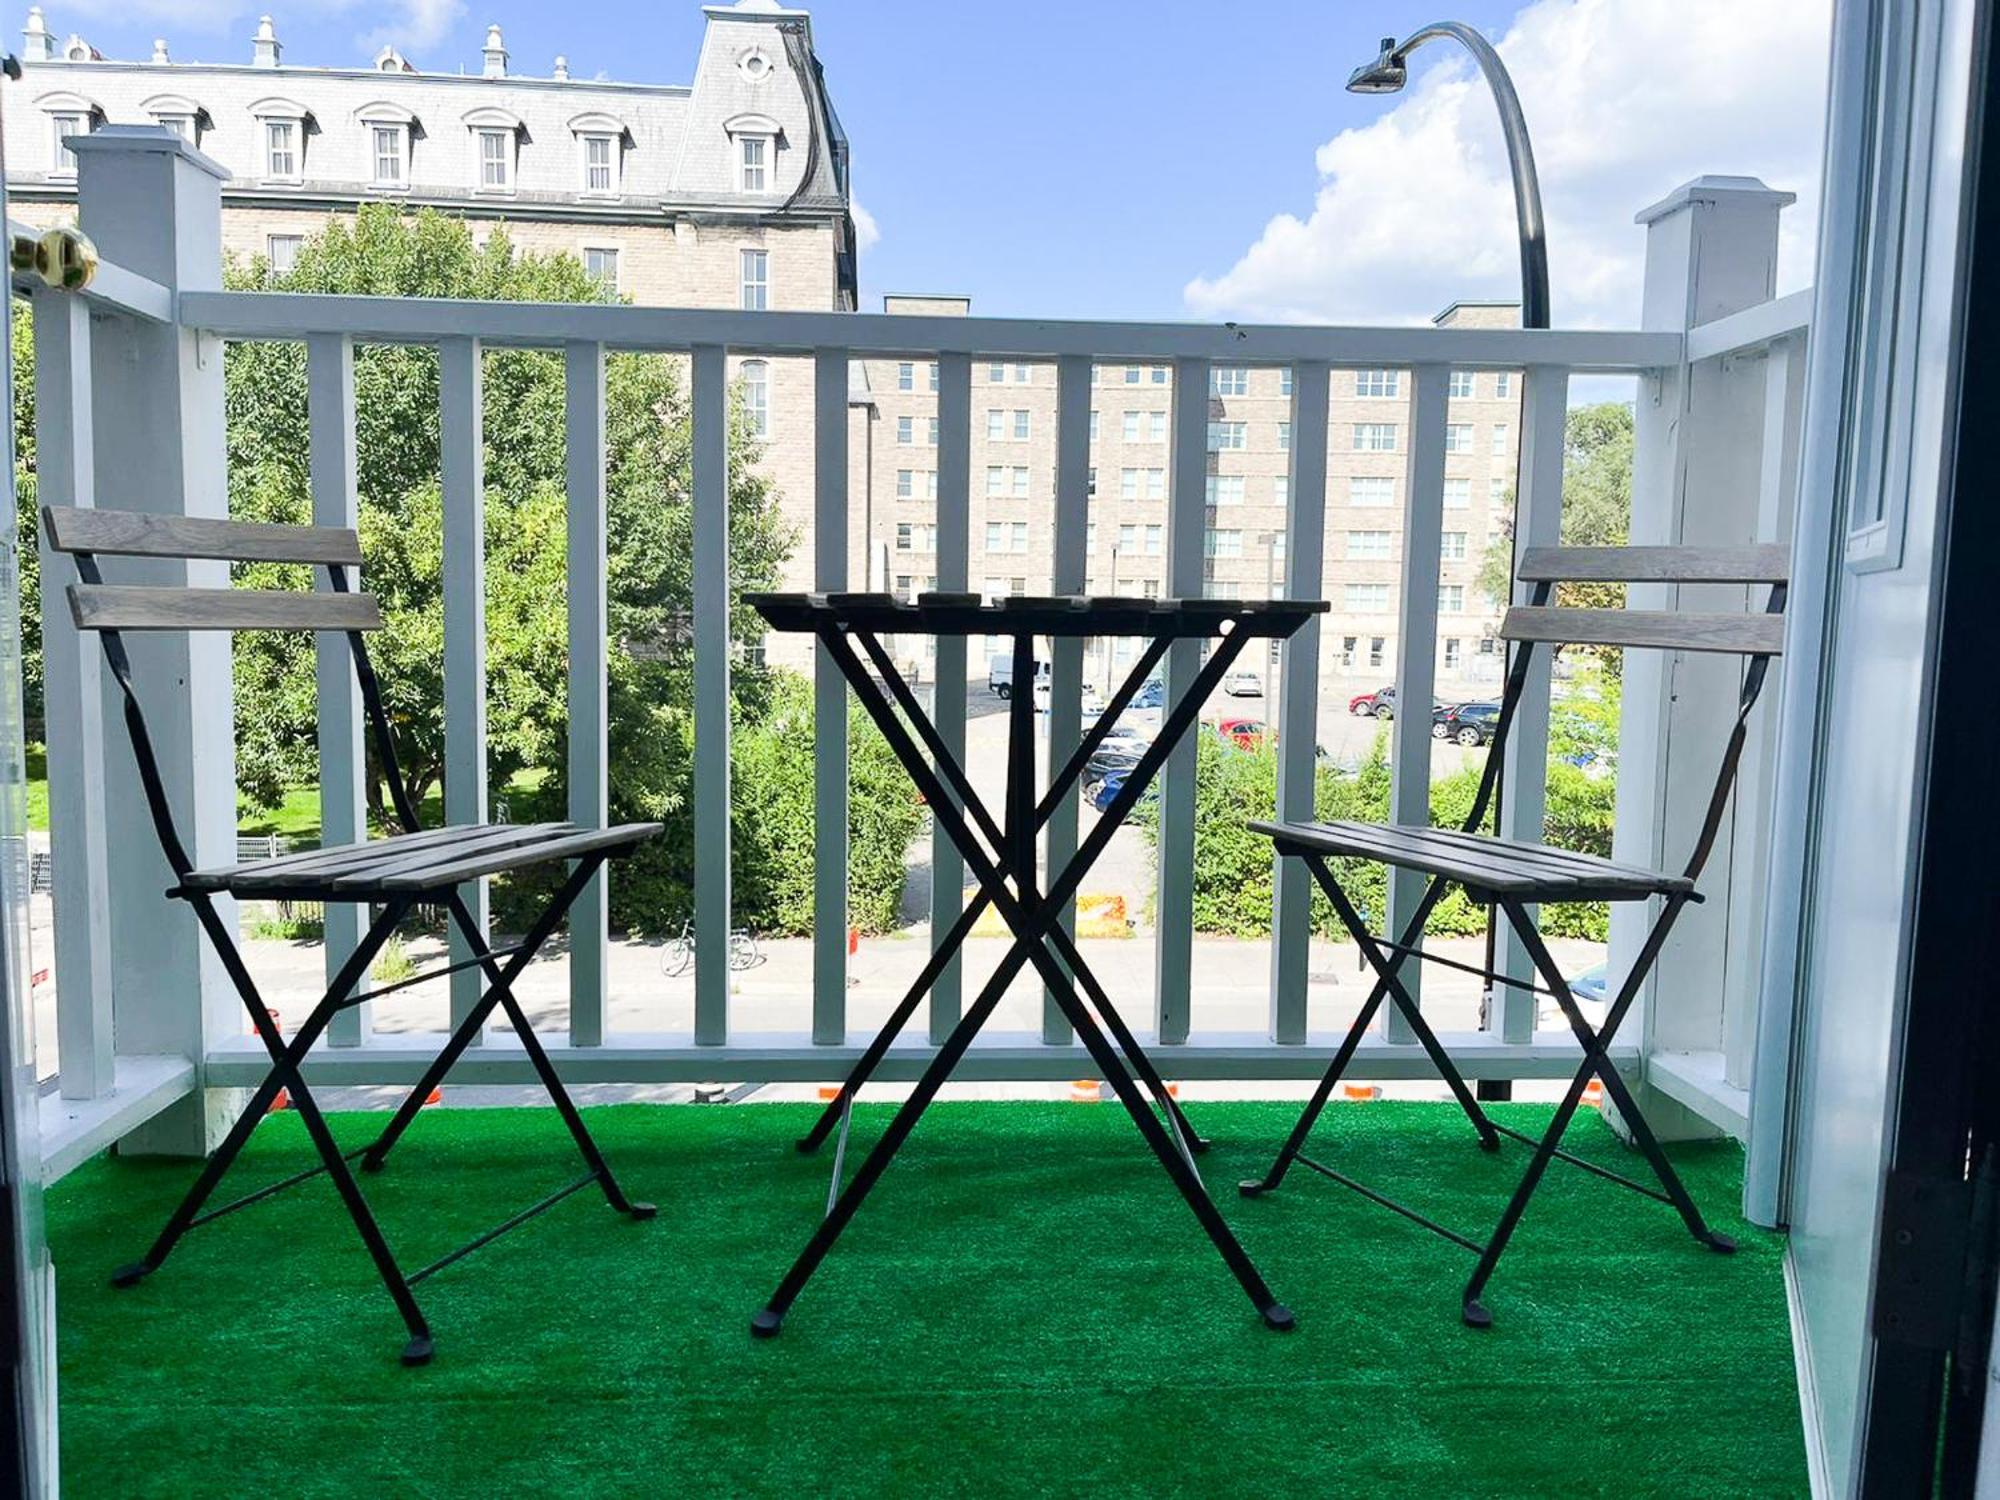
[(109, 139), (1712, 188)]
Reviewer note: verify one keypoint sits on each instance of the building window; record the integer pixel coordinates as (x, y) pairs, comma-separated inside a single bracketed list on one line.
[(64, 126), (281, 150), (1003, 427), (1457, 494), (1284, 437), (1366, 489), (757, 395), (600, 164), (1156, 537), (1458, 437), (906, 430), (931, 432), (915, 536), (1503, 384), (1499, 438), (756, 268), (1223, 435), (1281, 489), (1451, 546), (282, 251), (1145, 427), (1367, 598), (1451, 598), (1378, 384), (1229, 380), (1006, 536), (1452, 653), (1005, 481), (1461, 385), (1227, 543), (1347, 645), (1368, 546), (1486, 645), (1090, 484), (1225, 489), (1285, 381), (1374, 437), (906, 484), (756, 156), (496, 160), (387, 155), (600, 264), (1377, 655)]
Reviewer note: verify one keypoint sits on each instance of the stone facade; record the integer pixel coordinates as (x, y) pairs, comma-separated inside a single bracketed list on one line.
[(1013, 467)]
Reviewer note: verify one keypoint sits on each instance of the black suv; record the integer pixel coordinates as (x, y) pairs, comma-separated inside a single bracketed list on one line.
[(1468, 723)]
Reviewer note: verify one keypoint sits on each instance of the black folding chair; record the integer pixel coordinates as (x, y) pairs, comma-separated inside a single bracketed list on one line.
[(392, 875), (1515, 875)]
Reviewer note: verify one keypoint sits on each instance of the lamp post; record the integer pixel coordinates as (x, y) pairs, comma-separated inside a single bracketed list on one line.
[(1386, 75)]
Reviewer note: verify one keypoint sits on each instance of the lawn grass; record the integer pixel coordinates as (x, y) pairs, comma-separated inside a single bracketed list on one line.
[(1024, 1307)]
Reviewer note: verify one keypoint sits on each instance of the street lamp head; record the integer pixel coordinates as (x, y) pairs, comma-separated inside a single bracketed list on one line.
[(1386, 75)]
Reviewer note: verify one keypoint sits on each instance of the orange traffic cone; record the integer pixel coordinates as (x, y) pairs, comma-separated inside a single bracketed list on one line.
[(1359, 1092), (1085, 1091), (284, 1098), (1593, 1094)]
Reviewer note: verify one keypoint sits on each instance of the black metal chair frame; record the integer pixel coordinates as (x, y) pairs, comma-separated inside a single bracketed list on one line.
[(343, 875), (1384, 955), (1007, 878)]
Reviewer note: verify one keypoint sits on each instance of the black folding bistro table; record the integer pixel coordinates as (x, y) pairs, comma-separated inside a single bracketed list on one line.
[(1007, 877)]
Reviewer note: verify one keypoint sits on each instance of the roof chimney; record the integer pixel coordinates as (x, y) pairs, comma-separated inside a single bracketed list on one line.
[(160, 50), (562, 70), (265, 46), (37, 44), (495, 52)]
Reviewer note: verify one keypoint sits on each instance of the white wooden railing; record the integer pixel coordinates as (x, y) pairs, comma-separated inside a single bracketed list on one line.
[(146, 1030)]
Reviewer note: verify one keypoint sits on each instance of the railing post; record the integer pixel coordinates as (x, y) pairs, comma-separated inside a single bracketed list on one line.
[(73, 702), (1416, 656), (829, 1005), (1298, 726), (954, 551), (1066, 655), (1711, 250), (1187, 543), (153, 205), (589, 689), (462, 464), (712, 803), (343, 810)]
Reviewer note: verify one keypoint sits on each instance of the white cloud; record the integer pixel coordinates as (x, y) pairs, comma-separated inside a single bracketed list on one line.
[(196, 17), (866, 234), (1625, 100), (415, 24)]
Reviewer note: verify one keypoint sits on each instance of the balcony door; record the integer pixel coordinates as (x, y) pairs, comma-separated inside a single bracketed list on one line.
[(1896, 947)]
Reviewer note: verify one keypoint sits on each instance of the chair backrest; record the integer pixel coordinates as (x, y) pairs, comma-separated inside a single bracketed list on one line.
[(111, 609), (97, 605), (1759, 636)]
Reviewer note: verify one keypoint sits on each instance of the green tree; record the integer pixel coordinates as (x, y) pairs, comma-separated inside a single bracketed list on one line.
[(1597, 502)]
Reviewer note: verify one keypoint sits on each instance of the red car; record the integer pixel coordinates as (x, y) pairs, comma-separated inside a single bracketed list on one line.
[(1381, 703), (1244, 734)]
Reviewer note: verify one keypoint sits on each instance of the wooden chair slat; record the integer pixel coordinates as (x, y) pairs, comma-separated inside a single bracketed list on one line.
[(126, 533), (1738, 634), (113, 606), (1761, 564)]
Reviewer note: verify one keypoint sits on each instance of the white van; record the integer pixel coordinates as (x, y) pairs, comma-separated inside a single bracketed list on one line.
[(1000, 674)]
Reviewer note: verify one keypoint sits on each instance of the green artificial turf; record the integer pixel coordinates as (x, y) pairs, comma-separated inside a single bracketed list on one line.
[(1024, 1306)]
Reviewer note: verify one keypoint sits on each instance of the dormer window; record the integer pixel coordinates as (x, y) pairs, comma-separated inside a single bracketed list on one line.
[(281, 150), (600, 154), (180, 115), (495, 140), (68, 115), (388, 155), (755, 141), (281, 136), (387, 131)]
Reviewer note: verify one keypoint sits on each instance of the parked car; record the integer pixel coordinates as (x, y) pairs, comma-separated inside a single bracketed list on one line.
[(1381, 703), (1000, 674), (1243, 683), (1106, 791), (1439, 713), (1103, 762), (1127, 739), (1244, 734), (1153, 694), (1469, 724)]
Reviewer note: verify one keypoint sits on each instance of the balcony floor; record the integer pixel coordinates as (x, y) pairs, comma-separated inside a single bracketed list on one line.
[(1023, 1306)]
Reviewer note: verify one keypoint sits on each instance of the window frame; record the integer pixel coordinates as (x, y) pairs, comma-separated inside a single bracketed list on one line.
[(758, 256)]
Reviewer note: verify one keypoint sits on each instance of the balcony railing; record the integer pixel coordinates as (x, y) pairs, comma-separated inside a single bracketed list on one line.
[(128, 383)]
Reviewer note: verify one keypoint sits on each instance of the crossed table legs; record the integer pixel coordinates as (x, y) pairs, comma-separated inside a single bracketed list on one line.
[(1034, 915)]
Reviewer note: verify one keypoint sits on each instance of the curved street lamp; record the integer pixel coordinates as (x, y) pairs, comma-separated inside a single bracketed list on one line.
[(1390, 71), (1387, 75)]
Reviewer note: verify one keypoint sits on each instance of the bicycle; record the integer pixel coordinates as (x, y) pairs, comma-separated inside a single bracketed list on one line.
[(678, 956)]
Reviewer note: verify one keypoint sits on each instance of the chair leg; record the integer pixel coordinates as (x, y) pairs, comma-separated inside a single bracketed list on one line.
[(468, 1028), (501, 985), (285, 1059), (1252, 1187)]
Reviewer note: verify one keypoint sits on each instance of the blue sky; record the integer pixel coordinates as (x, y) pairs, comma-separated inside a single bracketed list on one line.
[(1099, 158)]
